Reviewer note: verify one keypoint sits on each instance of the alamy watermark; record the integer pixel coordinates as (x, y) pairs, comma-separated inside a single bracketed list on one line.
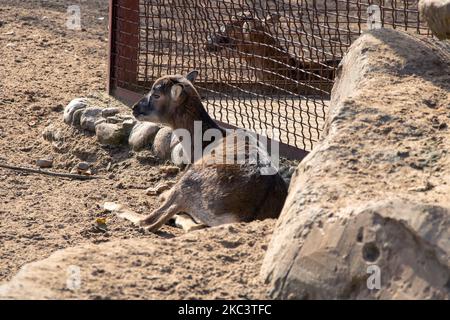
[(73, 21), (238, 146), (374, 17), (374, 279), (73, 280)]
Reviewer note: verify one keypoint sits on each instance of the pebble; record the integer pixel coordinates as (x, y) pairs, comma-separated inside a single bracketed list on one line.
[(44, 163), (89, 117), (162, 143), (83, 166), (74, 105), (109, 112), (142, 135), (26, 149), (110, 134)]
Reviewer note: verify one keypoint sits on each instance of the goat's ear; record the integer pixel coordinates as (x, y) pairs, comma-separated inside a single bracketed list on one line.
[(175, 91), (191, 76), (272, 18)]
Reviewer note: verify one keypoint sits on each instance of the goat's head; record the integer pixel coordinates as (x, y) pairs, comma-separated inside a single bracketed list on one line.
[(241, 32), (166, 99)]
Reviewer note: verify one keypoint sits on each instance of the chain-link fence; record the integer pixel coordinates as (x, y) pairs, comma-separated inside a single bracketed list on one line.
[(267, 66)]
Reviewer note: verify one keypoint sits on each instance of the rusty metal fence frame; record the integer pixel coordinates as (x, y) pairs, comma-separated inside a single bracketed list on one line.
[(151, 38)]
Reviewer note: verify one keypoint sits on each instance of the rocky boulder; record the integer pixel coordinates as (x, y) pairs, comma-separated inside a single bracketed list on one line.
[(214, 263), (368, 210), (142, 135), (114, 126), (89, 118), (163, 144), (110, 133), (72, 107)]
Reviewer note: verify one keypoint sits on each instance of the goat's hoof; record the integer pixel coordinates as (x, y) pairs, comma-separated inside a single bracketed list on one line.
[(141, 223), (149, 228)]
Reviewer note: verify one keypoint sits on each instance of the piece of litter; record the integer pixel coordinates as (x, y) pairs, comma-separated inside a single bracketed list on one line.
[(100, 220), (100, 223)]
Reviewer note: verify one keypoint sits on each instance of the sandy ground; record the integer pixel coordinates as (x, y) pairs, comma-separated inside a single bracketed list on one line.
[(215, 263), (43, 66)]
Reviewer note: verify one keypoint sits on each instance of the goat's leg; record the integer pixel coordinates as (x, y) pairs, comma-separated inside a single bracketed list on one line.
[(185, 222), (123, 212), (157, 218), (167, 210)]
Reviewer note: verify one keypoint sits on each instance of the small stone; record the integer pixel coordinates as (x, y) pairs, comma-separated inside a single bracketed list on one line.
[(74, 105), (44, 163), (427, 186), (89, 118), (76, 118), (57, 108), (26, 149), (142, 135), (101, 120), (120, 118), (109, 112), (51, 133), (83, 166), (128, 125), (162, 143), (120, 185), (114, 120), (110, 134)]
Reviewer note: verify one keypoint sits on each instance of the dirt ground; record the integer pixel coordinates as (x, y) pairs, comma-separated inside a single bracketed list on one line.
[(43, 66)]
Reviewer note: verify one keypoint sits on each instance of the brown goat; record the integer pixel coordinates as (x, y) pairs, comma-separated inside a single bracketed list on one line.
[(250, 37), (211, 192)]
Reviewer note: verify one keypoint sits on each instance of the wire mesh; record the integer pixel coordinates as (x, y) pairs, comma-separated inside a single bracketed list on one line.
[(267, 66)]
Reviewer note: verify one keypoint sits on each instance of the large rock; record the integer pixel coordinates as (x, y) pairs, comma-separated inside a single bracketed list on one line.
[(163, 144), (407, 243), (368, 210), (72, 107), (110, 134), (89, 117), (142, 135), (437, 15), (215, 263)]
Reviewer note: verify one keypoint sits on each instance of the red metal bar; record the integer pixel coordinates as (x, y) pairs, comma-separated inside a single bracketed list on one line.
[(111, 47), (124, 42)]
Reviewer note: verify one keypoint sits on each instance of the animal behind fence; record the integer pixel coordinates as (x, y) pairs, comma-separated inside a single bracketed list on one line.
[(249, 36), (265, 65)]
